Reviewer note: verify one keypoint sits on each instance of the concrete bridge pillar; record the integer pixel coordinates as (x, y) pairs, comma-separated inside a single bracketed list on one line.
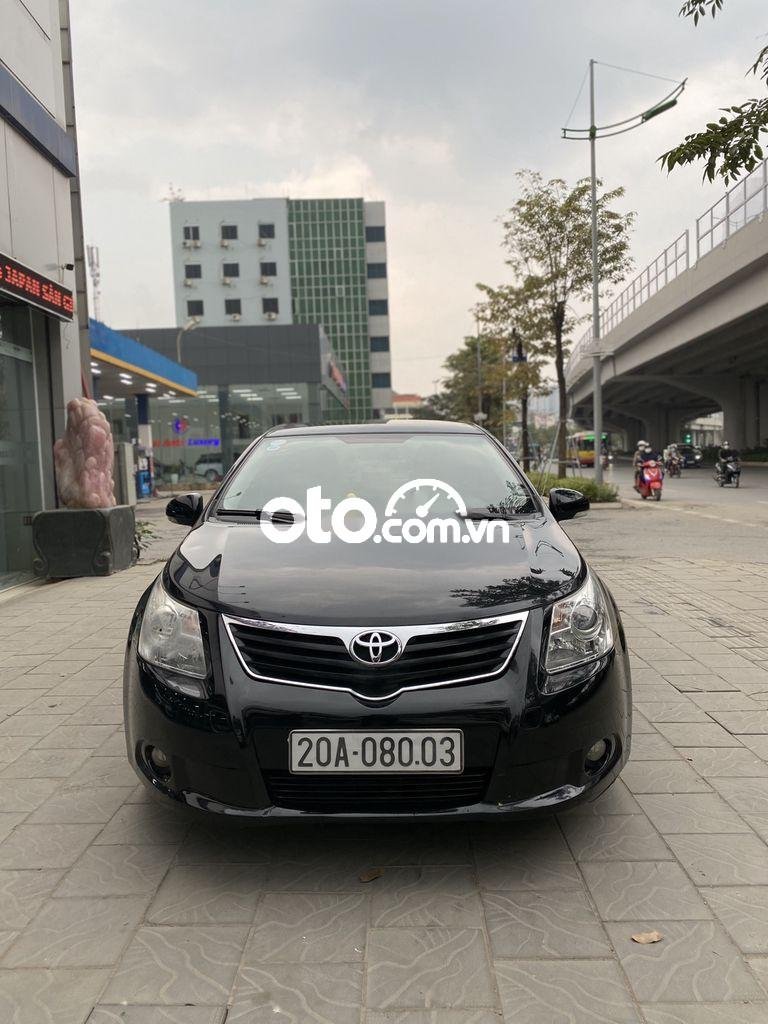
[(745, 408)]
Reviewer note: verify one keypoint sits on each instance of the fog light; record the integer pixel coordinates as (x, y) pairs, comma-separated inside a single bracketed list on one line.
[(597, 752), (159, 760)]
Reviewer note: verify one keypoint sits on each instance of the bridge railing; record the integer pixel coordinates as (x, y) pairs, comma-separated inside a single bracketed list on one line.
[(746, 201), (665, 268)]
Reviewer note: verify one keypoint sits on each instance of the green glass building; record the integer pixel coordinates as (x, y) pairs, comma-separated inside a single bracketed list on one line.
[(326, 239)]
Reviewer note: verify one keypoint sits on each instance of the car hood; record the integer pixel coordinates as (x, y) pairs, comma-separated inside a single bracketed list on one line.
[(235, 568)]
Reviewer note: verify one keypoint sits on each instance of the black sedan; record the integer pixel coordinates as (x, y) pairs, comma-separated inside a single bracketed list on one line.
[(380, 620)]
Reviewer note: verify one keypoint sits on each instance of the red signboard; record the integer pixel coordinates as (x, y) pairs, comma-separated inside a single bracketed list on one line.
[(26, 284)]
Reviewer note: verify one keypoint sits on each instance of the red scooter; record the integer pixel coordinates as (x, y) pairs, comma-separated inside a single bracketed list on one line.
[(650, 480)]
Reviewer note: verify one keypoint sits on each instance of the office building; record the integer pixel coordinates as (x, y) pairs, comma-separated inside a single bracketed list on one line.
[(257, 262), (44, 360)]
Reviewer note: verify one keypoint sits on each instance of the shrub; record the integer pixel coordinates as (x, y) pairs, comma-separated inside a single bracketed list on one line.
[(595, 492)]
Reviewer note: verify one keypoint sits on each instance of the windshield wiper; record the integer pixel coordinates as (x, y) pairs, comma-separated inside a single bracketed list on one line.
[(486, 513), (286, 518)]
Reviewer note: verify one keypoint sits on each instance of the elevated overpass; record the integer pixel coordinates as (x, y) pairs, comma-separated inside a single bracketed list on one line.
[(689, 335)]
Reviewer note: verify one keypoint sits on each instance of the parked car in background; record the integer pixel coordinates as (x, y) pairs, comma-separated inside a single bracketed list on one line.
[(210, 468)]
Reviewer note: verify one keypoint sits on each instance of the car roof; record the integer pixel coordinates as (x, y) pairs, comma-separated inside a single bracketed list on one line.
[(384, 427)]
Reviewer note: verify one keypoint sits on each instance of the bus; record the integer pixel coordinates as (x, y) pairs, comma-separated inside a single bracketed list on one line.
[(581, 447)]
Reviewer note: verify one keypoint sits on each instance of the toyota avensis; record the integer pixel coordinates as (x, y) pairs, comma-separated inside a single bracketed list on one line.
[(377, 620)]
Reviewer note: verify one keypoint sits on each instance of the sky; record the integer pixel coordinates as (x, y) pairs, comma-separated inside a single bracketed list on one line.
[(430, 105)]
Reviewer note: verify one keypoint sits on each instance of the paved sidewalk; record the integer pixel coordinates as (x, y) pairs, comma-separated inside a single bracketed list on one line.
[(114, 909)]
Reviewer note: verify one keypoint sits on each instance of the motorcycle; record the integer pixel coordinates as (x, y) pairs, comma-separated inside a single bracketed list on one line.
[(606, 460), (675, 466), (728, 473), (650, 480)]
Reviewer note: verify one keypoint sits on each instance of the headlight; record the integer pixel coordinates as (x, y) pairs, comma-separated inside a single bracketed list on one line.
[(580, 632), (170, 638)]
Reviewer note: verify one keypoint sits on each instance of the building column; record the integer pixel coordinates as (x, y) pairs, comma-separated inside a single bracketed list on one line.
[(144, 430)]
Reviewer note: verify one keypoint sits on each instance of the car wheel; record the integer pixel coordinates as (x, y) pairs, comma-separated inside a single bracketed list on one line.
[(211, 476)]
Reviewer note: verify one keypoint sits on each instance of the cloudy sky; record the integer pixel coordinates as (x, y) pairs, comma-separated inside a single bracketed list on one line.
[(431, 105)]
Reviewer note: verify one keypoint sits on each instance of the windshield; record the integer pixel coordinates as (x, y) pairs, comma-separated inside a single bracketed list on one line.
[(406, 468)]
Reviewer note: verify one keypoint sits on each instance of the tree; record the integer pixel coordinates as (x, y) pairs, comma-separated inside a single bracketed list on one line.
[(514, 315), (548, 238), (730, 145), (468, 385)]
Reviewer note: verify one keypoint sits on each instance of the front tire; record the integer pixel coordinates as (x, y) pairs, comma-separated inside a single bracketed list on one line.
[(657, 496)]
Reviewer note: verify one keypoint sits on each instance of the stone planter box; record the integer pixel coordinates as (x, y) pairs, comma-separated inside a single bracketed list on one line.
[(83, 541)]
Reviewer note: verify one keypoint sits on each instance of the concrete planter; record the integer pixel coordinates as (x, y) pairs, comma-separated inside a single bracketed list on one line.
[(83, 541)]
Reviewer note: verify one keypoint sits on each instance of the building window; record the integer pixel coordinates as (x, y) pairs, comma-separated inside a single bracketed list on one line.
[(195, 307), (191, 234), (377, 270), (230, 270), (378, 307), (268, 269), (375, 234), (380, 343), (270, 306), (266, 230), (193, 270), (229, 232), (381, 380), (232, 306)]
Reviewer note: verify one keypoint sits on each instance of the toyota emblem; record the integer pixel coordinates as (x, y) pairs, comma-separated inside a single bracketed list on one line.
[(375, 647)]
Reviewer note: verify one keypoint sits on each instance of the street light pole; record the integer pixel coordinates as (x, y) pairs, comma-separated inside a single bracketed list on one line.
[(190, 325), (597, 381), (593, 133)]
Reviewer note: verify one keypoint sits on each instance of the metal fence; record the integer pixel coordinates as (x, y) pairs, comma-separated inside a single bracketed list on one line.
[(746, 201)]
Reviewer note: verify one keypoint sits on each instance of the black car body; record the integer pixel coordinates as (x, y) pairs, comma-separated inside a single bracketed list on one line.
[(287, 646), (691, 456)]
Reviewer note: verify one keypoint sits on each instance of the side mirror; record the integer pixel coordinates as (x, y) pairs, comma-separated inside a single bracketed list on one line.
[(565, 503), (185, 509)]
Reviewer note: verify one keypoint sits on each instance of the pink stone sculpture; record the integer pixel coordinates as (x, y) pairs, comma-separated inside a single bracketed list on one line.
[(84, 457)]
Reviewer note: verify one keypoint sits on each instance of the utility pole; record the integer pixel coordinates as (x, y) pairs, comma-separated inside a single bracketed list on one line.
[(520, 357), (593, 133), (597, 376), (95, 272), (479, 415)]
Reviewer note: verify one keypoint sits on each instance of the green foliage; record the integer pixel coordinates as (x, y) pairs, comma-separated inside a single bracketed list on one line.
[(598, 493), (731, 145)]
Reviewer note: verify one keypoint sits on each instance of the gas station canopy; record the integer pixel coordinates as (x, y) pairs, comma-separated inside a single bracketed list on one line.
[(122, 368)]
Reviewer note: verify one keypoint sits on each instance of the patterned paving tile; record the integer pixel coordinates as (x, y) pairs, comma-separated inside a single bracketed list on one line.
[(22, 893), (722, 859), (614, 837), (432, 896), (691, 812), (74, 806), (144, 825), (564, 992), (45, 846), (308, 928), (49, 996), (705, 1013), (298, 994), (744, 915), (169, 965), (77, 933), (623, 891), (695, 962), (538, 859), (725, 762), (541, 924), (663, 777), (428, 967), (208, 894), (102, 1014), (117, 871)]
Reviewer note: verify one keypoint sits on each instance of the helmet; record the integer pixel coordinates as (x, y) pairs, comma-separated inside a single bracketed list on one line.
[(725, 444), (642, 444)]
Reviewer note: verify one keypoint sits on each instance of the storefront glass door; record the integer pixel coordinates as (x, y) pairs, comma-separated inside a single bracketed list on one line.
[(20, 483)]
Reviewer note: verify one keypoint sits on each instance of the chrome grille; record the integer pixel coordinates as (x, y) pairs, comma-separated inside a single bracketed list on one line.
[(434, 655)]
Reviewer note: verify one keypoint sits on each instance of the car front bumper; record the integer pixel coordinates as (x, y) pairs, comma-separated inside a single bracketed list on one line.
[(524, 752)]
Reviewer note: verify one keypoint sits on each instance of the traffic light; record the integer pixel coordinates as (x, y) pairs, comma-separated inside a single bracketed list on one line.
[(687, 438)]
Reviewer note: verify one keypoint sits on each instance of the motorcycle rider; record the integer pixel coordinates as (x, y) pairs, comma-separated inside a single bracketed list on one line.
[(725, 455), (638, 459)]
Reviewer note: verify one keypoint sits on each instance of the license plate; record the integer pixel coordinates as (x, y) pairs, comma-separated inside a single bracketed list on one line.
[(359, 752)]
